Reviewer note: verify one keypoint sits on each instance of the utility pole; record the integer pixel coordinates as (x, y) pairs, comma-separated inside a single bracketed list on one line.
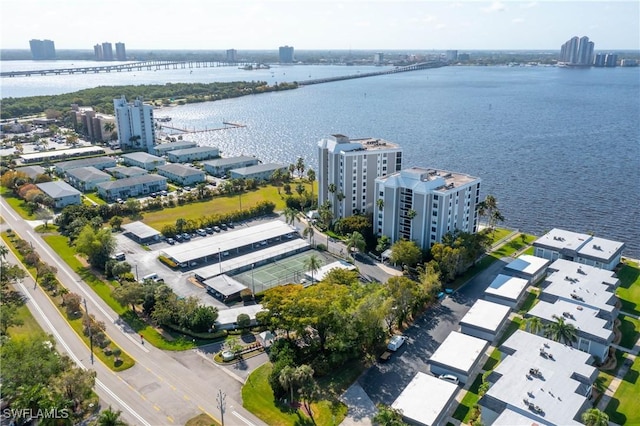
[(89, 326), (221, 404)]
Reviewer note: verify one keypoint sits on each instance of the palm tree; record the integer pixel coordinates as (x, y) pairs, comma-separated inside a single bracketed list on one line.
[(332, 189), (300, 167), (534, 325), (308, 232), (595, 417), (357, 241), (289, 216), (411, 213), (110, 418), (380, 203), (387, 416), (311, 176), (287, 378), (312, 264), (561, 331), (3, 251), (292, 168)]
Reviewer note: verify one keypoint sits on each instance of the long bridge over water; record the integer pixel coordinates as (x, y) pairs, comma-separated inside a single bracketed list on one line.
[(413, 67), (128, 67)]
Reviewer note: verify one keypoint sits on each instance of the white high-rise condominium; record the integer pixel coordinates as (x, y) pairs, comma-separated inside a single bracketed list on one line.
[(134, 121), (424, 205), (347, 169)]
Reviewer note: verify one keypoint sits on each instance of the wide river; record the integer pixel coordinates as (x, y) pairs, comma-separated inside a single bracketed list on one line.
[(557, 147)]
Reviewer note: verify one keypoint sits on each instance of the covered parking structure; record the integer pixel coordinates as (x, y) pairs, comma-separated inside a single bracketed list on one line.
[(141, 232), (234, 243), (224, 287), (243, 263)]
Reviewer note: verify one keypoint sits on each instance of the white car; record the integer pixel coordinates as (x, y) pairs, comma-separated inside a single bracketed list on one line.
[(449, 378), (395, 342)]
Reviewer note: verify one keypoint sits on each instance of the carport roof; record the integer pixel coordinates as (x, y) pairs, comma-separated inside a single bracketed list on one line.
[(225, 285), (486, 315), (140, 230), (507, 287), (227, 240), (528, 264)]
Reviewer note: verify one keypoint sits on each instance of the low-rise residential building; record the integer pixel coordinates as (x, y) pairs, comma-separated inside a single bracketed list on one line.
[(32, 171), (99, 163), (143, 160), (181, 174), (85, 179), (485, 320), (539, 382), (507, 290), (593, 334), (426, 400), (197, 153), (531, 268), (581, 248), (164, 148), (141, 232), (458, 355), (221, 166), (97, 126), (348, 168), (122, 172), (61, 192), (424, 205), (582, 285), (258, 172), (131, 187)]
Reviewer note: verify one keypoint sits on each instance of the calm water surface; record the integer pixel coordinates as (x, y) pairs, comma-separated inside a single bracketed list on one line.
[(557, 147)]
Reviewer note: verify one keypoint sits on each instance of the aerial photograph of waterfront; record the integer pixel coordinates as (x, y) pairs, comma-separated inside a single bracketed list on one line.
[(356, 212)]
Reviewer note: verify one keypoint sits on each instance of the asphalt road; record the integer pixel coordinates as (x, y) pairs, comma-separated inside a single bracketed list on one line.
[(384, 382), (160, 389)]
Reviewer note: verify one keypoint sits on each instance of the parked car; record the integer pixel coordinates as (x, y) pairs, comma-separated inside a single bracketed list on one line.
[(186, 236), (223, 226), (231, 225), (201, 232), (179, 238), (395, 342), (163, 192), (171, 241), (208, 230), (449, 378), (216, 228)]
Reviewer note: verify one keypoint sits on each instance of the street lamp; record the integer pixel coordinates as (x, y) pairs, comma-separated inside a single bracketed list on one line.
[(221, 404), (252, 282), (89, 327)]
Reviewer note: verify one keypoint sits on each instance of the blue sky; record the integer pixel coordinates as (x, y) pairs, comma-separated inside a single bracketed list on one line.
[(328, 24)]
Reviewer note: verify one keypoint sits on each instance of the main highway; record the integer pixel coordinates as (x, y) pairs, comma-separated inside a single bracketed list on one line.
[(163, 387)]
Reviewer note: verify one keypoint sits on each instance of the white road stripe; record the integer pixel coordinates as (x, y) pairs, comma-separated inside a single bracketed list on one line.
[(235, 413)]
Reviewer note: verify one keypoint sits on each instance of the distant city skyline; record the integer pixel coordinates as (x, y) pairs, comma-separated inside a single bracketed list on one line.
[(321, 25)]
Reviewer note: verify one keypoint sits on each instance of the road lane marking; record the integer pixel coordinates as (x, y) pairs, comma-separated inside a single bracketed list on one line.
[(156, 407), (201, 409), (235, 413), (186, 398), (170, 419), (73, 356)]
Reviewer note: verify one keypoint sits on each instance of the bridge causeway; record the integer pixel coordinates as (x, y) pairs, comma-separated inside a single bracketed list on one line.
[(413, 67)]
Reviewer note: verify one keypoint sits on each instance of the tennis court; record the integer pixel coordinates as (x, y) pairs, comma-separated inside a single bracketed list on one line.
[(280, 272)]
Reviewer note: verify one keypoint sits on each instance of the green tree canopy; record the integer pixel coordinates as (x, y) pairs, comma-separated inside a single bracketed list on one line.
[(405, 252)]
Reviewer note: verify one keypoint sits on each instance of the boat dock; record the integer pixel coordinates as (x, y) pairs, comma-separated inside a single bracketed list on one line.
[(228, 125)]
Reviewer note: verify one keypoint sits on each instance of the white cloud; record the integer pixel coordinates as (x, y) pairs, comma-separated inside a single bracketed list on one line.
[(440, 26), (529, 5), (496, 6), (517, 20)]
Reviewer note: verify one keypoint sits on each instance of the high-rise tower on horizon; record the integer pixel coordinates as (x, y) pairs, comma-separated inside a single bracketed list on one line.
[(42, 49), (577, 52), (121, 52), (285, 54)]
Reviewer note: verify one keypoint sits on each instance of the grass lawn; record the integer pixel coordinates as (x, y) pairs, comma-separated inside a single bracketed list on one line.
[(94, 197), (623, 407), (29, 327), (464, 409), (16, 203), (499, 234), (629, 290), (258, 398), (630, 328), (217, 205), (515, 324), (493, 361), (606, 376), (529, 302)]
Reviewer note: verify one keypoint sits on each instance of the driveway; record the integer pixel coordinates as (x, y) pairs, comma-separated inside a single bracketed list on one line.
[(384, 382)]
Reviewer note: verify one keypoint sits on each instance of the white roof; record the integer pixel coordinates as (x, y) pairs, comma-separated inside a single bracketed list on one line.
[(140, 230), (180, 170), (229, 316), (507, 287), (142, 157), (424, 398), (87, 174), (225, 285), (486, 315), (57, 189), (60, 152), (227, 240), (425, 181), (582, 317), (582, 284), (321, 273), (219, 162), (556, 393), (583, 244), (528, 264), (459, 351), (600, 248)]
